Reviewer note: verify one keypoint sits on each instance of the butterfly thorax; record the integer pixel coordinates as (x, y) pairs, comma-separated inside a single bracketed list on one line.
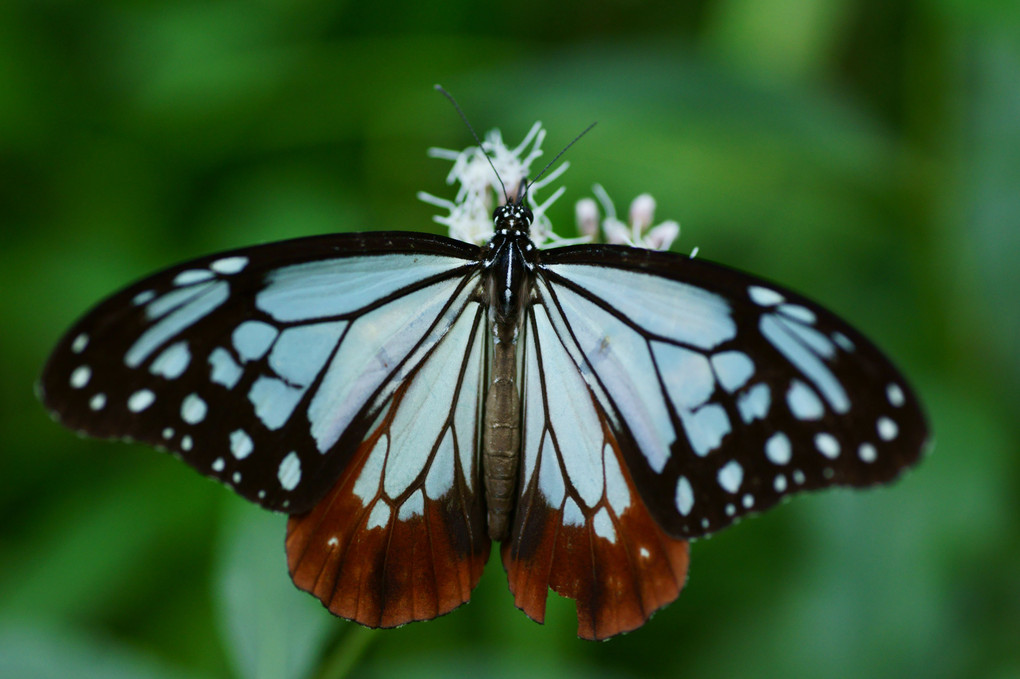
[(508, 264)]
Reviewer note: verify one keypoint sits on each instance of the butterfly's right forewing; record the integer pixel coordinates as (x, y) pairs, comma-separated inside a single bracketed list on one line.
[(266, 367)]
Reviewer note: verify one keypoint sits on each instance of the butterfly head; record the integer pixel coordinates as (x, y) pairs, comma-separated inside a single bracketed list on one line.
[(512, 217)]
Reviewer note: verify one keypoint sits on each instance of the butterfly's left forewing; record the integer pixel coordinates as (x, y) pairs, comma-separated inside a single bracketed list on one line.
[(726, 393), (265, 367)]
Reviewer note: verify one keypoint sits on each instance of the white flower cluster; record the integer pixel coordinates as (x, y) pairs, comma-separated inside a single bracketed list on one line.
[(479, 192), (638, 233)]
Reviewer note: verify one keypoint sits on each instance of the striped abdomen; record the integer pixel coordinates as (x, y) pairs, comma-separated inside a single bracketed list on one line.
[(501, 438)]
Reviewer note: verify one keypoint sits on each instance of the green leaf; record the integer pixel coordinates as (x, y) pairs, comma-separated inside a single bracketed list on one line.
[(271, 629)]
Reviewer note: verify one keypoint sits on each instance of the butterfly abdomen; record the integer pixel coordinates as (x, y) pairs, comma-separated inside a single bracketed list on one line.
[(501, 438)]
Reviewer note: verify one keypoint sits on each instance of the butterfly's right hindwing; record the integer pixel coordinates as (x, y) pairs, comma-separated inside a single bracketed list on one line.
[(263, 367)]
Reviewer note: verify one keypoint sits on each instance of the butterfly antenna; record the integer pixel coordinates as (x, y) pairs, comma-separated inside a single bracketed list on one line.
[(439, 88), (557, 157)]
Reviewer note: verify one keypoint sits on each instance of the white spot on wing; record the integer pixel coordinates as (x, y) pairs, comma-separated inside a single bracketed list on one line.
[(733, 368), (705, 428), (289, 472), (412, 507), (224, 370), (80, 376), (219, 464), (172, 362), (843, 341), (602, 524), (895, 395), (140, 400), (193, 409), (617, 492), (192, 276), (867, 453), (440, 477), (684, 496), (827, 445), (144, 297), (764, 296), (731, 476), (887, 429), (686, 374), (274, 400), (97, 402), (79, 343), (379, 516), (550, 480), (803, 402), (300, 353), (366, 486), (572, 515), (778, 449), (229, 265), (240, 444), (252, 339), (186, 443), (779, 483), (798, 313), (754, 405)]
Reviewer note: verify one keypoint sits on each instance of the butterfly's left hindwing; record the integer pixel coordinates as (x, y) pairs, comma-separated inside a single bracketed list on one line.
[(725, 393), (401, 535), (263, 367)]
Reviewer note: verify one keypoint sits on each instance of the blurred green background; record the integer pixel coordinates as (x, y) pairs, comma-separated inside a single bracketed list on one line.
[(862, 151)]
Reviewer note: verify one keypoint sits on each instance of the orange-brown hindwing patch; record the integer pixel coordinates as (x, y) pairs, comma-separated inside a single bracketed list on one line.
[(612, 557)]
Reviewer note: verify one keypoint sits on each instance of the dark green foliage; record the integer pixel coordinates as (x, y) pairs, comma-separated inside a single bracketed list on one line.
[(865, 153)]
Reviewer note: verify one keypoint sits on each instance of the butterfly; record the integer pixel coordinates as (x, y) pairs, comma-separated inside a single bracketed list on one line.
[(408, 399)]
